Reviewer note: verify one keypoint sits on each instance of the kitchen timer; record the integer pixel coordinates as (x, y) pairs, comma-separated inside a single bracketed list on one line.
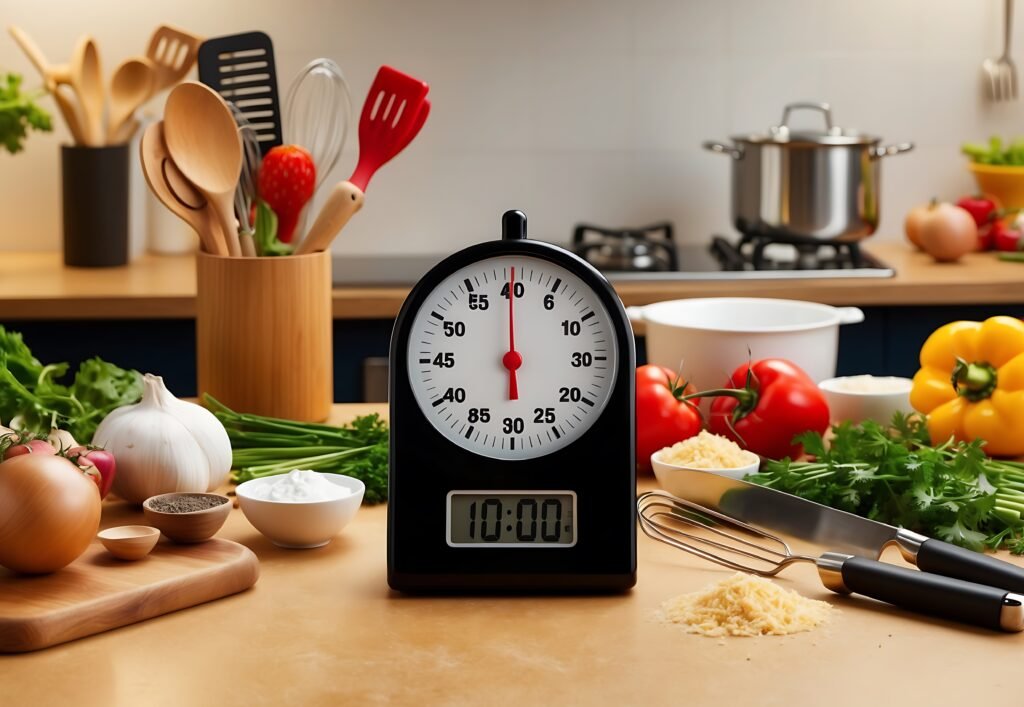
[(512, 425)]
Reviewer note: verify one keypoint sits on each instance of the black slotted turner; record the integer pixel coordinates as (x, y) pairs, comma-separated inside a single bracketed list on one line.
[(240, 67)]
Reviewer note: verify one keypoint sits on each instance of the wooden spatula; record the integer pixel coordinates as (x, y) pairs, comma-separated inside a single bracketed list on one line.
[(395, 110), (61, 94), (173, 52)]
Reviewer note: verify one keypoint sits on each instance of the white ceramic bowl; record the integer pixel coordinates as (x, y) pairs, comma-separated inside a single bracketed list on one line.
[(666, 473), (711, 337), (301, 524), (855, 406)]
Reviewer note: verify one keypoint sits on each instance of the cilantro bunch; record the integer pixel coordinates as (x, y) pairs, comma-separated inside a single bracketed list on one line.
[(33, 393), (892, 473), (19, 113)]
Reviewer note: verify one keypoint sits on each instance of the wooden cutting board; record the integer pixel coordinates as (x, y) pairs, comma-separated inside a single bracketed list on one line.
[(97, 592)]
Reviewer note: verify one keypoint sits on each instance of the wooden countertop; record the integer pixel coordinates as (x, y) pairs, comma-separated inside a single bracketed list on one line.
[(321, 627), (37, 286)]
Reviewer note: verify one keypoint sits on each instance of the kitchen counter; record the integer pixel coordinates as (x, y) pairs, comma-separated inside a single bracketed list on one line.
[(321, 627), (35, 286)]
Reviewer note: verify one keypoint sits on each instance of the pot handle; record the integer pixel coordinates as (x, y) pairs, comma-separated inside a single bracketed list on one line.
[(723, 149), (635, 314), (890, 150), (824, 108), (850, 315)]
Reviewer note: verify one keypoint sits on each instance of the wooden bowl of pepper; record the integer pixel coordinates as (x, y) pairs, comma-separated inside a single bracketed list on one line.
[(187, 517)]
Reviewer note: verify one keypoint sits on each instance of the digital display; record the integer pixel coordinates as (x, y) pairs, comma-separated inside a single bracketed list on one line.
[(511, 518)]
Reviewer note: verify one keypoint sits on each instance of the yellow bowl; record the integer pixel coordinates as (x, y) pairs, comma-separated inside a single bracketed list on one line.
[(1004, 183)]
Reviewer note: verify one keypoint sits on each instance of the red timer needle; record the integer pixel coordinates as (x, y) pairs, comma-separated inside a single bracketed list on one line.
[(512, 360)]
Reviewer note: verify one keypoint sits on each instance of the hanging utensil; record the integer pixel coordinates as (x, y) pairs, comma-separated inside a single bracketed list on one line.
[(175, 192), (64, 97), (698, 531), (85, 77), (245, 192), (395, 110), (242, 70), (130, 87), (173, 52), (202, 139), (1000, 72)]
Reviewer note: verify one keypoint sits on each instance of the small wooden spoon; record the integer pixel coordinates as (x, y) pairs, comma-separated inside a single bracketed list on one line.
[(131, 86), (176, 193), (84, 74), (202, 139)]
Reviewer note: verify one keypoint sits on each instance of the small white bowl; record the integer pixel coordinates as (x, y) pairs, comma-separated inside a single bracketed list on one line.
[(857, 406), (667, 473), (300, 524)]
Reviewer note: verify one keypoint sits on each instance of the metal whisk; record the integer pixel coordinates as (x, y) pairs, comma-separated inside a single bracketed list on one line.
[(746, 548)]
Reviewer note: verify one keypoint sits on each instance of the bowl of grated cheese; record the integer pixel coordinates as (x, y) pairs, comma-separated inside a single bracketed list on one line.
[(706, 452)]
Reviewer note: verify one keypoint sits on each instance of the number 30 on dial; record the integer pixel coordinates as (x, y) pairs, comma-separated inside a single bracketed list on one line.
[(512, 357)]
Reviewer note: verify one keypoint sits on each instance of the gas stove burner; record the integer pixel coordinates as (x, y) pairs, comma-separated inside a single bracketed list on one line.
[(762, 252), (648, 249)]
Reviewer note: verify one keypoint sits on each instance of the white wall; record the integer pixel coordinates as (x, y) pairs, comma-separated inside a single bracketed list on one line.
[(574, 110)]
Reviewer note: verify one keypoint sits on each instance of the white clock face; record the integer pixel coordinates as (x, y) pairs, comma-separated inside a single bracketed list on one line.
[(512, 382)]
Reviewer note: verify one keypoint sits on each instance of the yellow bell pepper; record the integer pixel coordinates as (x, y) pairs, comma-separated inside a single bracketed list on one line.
[(971, 384)]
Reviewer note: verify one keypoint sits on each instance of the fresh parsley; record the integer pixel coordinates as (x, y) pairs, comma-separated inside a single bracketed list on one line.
[(19, 113), (893, 474)]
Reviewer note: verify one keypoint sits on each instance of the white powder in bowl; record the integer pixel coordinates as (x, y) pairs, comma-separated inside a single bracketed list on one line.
[(300, 485)]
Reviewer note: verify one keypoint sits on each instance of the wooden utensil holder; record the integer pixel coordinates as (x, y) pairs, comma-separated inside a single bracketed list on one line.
[(263, 330)]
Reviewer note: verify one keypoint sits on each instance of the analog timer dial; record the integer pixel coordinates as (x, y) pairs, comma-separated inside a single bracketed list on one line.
[(512, 357)]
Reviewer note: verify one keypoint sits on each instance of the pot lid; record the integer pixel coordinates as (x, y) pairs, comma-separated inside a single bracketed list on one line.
[(831, 135)]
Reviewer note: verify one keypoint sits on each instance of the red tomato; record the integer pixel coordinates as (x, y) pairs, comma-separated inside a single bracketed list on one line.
[(1005, 236), (981, 207), (765, 410), (662, 419)]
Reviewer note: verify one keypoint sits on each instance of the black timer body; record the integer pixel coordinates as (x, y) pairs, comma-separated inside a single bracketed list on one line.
[(512, 425)]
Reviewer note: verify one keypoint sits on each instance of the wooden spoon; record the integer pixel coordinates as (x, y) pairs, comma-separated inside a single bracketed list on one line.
[(176, 193), (84, 74), (203, 141), (65, 102), (131, 86)]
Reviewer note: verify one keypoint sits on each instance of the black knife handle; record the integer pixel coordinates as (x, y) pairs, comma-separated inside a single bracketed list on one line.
[(943, 558), (925, 593)]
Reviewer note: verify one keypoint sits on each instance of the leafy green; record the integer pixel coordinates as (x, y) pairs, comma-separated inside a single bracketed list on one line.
[(995, 152), (19, 113), (267, 446), (32, 391), (265, 234), (893, 474)]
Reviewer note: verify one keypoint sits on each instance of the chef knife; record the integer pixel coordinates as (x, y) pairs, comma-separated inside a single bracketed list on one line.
[(838, 530)]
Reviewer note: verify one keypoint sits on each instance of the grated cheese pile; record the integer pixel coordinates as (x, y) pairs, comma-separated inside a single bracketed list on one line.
[(707, 451), (745, 605)]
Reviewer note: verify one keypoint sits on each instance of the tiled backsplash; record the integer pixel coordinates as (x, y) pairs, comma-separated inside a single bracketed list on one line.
[(574, 110)]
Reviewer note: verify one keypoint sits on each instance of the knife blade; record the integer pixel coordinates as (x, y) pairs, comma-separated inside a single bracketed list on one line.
[(837, 530)]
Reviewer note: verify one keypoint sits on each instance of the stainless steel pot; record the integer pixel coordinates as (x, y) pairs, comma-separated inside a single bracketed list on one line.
[(806, 185)]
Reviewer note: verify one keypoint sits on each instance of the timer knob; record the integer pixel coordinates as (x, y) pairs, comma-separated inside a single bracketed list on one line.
[(513, 226)]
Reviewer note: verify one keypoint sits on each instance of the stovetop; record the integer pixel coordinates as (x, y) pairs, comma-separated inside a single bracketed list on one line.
[(651, 253)]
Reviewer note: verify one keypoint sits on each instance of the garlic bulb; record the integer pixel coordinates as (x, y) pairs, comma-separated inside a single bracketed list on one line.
[(163, 445)]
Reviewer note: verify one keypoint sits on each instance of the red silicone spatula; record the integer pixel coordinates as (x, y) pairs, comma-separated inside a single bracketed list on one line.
[(395, 110)]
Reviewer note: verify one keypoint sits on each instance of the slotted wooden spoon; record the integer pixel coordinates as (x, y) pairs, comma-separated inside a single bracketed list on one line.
[(173, 52), (395, 110)]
